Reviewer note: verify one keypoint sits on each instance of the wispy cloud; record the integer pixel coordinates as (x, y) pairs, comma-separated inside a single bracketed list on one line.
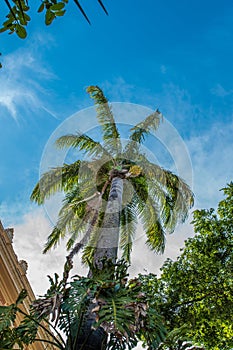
[(22, 79), (118, 90), (220, 91)]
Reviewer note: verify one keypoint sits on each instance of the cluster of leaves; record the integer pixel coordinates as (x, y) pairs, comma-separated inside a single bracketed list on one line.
[(53, 9), (26, 332), (18, 18), (193, 297), (177, 340), (197, 289), (113, 302), (9, 335)]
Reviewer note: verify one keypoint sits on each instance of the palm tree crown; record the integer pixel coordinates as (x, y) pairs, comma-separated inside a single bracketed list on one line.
[(111, 189)]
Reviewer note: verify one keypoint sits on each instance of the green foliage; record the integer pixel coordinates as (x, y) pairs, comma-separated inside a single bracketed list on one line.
[(23, 334), (110, 133), (139, 131), (193, 297), (55, 180), (116, 304), (156, 196), (197, 289), (18, 18), (177, 340)]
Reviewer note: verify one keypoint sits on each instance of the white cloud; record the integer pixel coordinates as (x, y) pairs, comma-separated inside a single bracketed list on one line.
[(212, 160), (19, 89), (29, 238), (220, 91), (144, 260)]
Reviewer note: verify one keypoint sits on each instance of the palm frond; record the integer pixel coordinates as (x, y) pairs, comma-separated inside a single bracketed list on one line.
[(70, 221), (176, 200), (55, 180), (83, 143), (76, 214), (93, 219), (139, 131), (140, 186), (128, 223), (82, 11), (172, 194), (111, 136), (77, 228), (149, 215), (155, 237)]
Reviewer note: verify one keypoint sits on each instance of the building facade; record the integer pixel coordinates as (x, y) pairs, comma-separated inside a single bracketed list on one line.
[(13, 278)]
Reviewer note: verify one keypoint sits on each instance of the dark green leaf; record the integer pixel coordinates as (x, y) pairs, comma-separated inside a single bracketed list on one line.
[(49, 17), (57, 7), (20, 31), (41, 8)]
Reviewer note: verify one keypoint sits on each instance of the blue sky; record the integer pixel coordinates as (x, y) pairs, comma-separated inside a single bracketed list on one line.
[(174, 55)]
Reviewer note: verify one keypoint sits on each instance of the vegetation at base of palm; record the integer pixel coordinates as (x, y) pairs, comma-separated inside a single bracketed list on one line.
[(16, 337), (193, 297), (119, 308), (156, 196), (196, 290)]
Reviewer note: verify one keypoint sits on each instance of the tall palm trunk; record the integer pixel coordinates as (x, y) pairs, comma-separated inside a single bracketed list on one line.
[(107, 244), (107, 247)]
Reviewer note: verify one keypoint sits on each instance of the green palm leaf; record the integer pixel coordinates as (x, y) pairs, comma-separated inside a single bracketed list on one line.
[(83, 143), (127, 228), (111, 136), (75, 215), (55, 180), (171, 193), (68, 222), (139, 131)]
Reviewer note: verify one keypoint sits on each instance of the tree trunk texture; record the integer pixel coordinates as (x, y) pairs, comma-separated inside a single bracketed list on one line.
[(107, 247)]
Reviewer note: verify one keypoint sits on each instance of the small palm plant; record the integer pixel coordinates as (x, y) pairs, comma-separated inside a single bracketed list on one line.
[(106, 194)]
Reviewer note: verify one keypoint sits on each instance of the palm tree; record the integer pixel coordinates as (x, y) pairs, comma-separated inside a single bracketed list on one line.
[(113, 187)]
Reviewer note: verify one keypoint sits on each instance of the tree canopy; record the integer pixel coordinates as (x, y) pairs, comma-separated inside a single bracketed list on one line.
[(195, 292)]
